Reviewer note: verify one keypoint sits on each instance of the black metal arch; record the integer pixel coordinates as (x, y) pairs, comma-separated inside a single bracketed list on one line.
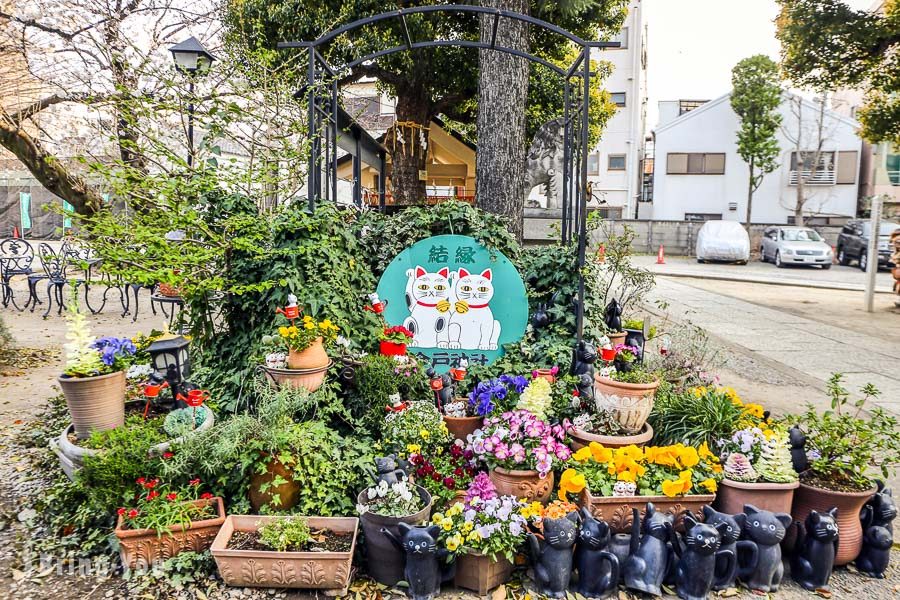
[(324, 128)]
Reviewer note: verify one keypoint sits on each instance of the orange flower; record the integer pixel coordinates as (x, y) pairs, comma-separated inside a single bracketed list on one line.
[(583, 455), (601, 453)]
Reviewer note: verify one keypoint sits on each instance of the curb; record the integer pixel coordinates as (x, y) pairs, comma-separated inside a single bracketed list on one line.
[(845, 287)]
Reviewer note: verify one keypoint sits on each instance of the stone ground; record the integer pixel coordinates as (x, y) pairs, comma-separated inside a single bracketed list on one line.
[(749, 365)]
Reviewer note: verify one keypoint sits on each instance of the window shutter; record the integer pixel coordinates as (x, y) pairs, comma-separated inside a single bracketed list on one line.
[(676, 163), (695, 163), (846, 167)]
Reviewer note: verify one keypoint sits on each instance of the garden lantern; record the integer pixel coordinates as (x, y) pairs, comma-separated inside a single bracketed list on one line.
[(170, 360), (192, 58)]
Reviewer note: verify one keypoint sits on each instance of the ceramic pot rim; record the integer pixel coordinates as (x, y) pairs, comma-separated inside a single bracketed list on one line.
[(655, 499), (760, 485), (70, 379), (645, 432), (462, 419), (215, 521), (871, 491), (288, 555), (519, 472), (626, 386), (424, 494), (311, 371)]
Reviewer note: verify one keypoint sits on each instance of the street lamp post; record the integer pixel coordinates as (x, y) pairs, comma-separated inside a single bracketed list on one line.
[(192, 58)]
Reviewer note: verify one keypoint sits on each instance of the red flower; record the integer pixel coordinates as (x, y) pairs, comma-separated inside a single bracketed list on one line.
[(456, 451), (470, 471), (420, 472), (458, 471), (194, 481), (141, 481), (171, 496), (429, 469), (151, 484), (576, 393), (468, 455), (167, 455), (132, 513), (120, 512), (449, 483), (205, 496), (436, 476), (415, 459), (153, 494)]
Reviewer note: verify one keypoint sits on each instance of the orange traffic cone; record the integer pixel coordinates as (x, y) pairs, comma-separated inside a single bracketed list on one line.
[(661, 256), (15, 232), (601, 253)]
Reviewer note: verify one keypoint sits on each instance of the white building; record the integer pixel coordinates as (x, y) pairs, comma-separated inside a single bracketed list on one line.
[(614, 166), (699, 175)]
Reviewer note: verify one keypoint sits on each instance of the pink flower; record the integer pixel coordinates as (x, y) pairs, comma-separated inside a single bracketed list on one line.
[(502, 451), (518, 452)]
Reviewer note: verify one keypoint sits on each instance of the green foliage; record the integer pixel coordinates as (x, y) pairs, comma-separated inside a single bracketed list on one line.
[(81, 359), (286, 533), (182, 421), (160, 506), (7, 346), (421, 425), (827, 45), (692, 418), (849, 446), (638, 324), (775, 463), (755, 98), (171, 575), (635, 375), (377, 378)]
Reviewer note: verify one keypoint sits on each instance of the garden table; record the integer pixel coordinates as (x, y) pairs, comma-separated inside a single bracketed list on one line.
[(176, 305)]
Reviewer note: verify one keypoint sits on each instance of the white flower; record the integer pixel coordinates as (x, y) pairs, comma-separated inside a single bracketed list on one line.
[(371, 493), (362, 509), (138, 371), (342, 341)]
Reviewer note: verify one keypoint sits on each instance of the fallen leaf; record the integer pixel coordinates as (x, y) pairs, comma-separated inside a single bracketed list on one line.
[(499, 593), (17, 575)]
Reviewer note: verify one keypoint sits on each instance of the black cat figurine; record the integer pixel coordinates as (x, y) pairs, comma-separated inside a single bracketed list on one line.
[(817, 542), (702, 563), (766, 529), (444, 390), (598, 569), (583, 358), (612, 316), (652, 552), (426, 565), (875, 556), (620, 546), (734, 524), (388, 470), (798, 449), (880, 510), (552, 557)]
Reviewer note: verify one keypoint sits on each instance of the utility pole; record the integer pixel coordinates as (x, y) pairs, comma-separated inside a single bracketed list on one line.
[(872, 252)]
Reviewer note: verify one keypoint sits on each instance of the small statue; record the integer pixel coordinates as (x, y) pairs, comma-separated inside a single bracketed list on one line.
[(878, 533), (553, 556), (652, 552), (816, 546), (798, 449), (442, 386), (540, 318), (620, 546), (880, 510), (388, 470), (276, 360), (767, 529), (598, 569), (702, 564), (426, 565), (613, 316), (458, 370), (734, 524), (583, 358), (624, 489)]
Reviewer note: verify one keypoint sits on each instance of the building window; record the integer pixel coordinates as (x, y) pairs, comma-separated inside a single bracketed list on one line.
[(702, 217), (358, 106), (686, 106), (695, 163), (815, 170), (593, 164), (618, 98), (616, 162), (893, 168), (622, 38)]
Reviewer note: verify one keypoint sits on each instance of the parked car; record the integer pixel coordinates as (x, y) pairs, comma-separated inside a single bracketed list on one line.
[(725, 241), (853, 243), (794, 245)]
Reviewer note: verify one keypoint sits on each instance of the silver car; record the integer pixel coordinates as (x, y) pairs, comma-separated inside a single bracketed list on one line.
[(795, 246)]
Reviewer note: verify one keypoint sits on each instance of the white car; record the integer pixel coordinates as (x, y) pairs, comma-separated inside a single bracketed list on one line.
[(794, 246), (725, 241)]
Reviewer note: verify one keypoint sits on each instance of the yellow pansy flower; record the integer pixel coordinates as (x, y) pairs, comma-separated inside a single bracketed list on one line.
[(473, 537), (583, 455), (710, 485), (424, 433), (571, 482), (601, 453), (468, 526), (447, 524), (454, 542), (283, 331), (413, 448), (438, 518), (626, 476), (454, 510), (705, 452), (688, 456), (672, 488)]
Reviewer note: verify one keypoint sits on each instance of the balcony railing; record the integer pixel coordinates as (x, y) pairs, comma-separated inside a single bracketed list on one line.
[(822, 177), (894, 176)]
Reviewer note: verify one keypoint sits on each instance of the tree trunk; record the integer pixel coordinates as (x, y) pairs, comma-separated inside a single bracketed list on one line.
[(502, 91), (408, 154), (750, 190), (46, 168)]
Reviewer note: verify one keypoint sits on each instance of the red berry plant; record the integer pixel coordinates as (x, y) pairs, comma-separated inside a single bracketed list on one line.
[(446, 471), (159, 506)]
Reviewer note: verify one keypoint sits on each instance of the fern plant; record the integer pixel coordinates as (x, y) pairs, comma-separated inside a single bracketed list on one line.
[(82, 360)]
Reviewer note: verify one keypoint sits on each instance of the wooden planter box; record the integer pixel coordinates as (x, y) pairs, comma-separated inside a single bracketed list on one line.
[(261, 568), (140, 548), (477, 572), (617, 511)]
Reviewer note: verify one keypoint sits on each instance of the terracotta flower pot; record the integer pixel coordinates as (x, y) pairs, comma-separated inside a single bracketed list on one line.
[(775, 497), (617, 338), (617, 510), (313, 357), (525, 484), (288, 493), (477, 572), (95, 403), (140, 548), (391, 348), (384, 562), (309, 379), (581, 438), (629, 403), (461, 427), (264, 568), (808, 498)]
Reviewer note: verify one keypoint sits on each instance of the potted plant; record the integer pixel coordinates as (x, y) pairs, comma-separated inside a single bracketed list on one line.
[(93, 381), (420, 424), (286, 552), (612, 481), (757, 470), (164, 521), (483, 533), (307, 360), (602, 427), (627, 393), (521, 451), (843, 447), (446, 473), (385, 506), (393, 340)]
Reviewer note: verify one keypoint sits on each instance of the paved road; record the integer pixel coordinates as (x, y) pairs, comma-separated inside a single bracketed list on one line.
[(813, 342)]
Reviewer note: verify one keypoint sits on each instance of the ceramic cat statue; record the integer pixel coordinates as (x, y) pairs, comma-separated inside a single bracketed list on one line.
[(598, 569), (472, 325), (613, 316), (798, 449), (652, 551), (703, 563), (426, 565), (552, 556), (734, 524), (817, 541), (584, 355), (878, 533), (387, 469), (428, 299), (766, 529), (880, 510)]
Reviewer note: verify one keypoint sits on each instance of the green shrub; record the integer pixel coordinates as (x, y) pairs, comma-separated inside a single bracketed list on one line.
[(285, 533), (695, 416)]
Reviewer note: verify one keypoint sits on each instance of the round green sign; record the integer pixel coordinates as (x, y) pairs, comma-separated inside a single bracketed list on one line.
[(459, 299)]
